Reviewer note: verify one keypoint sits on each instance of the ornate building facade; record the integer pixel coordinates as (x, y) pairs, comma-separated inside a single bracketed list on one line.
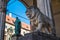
[(9, 25)]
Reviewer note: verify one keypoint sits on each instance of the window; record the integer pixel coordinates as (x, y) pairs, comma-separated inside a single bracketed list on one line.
[(13, 21), (8, 19), (23, 32), (27, 26), (5, 26)]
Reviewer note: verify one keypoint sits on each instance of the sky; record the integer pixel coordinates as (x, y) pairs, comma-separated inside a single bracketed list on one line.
[(16, 7)]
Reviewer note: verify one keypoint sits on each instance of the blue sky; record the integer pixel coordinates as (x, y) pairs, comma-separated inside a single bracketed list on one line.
[(16, 7)]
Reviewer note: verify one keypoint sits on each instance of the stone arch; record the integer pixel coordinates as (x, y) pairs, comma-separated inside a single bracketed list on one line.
[(29, 3), (34, 2)]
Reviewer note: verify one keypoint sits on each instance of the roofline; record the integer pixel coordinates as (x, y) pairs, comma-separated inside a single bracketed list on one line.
[(21, 27)]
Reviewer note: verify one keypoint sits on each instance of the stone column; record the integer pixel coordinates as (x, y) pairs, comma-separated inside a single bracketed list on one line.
[(2, 18), (45, 8)]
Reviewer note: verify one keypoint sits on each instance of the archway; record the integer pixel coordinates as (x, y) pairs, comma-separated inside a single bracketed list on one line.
[(16, 9), (1, 37)]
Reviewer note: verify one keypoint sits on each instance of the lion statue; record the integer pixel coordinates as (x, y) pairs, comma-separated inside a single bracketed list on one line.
[(39, 21)]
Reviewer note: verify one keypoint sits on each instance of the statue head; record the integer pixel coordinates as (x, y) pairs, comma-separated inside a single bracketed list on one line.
[(31, 11), (16, 17)]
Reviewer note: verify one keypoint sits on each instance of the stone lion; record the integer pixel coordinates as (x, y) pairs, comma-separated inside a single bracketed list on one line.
[(38, 21)]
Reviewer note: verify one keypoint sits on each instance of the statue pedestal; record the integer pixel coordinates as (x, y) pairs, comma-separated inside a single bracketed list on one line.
[(35, 36), (16, 37), (38, 36)]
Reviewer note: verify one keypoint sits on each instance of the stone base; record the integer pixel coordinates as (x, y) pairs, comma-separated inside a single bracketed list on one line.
[(43, 36), (16, 37), (40, 36), (37, 36)]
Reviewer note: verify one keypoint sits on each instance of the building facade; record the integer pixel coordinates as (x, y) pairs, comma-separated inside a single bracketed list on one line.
[(10, 28)]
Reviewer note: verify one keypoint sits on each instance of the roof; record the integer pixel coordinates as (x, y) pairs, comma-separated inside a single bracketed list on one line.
[(11, 21)]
